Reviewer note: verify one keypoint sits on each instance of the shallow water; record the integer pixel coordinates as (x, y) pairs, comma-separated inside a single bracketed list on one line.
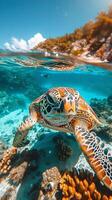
[(24, 77), (21, 82)]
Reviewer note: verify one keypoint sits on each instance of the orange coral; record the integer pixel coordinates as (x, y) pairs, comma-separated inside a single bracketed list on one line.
[(82, 186), (5, 162)]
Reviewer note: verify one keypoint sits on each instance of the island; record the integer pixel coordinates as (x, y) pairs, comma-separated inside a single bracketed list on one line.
[(91, 43)]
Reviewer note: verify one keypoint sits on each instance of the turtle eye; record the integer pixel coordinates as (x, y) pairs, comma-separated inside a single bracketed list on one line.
[(50, 99)]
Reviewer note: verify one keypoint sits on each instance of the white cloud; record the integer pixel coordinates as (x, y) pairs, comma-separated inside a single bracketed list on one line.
[(24, 45)]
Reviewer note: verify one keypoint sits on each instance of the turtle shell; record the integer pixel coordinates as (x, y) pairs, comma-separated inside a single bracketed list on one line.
[(86, 113)]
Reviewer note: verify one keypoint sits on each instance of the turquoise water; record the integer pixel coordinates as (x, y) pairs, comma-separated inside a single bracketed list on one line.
[(23, 78), (20, 84)]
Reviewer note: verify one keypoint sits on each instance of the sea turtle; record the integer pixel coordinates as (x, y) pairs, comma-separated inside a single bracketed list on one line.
[(65, 110)]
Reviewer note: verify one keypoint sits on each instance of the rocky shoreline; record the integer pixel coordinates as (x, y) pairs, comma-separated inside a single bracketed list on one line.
[(91, 43)]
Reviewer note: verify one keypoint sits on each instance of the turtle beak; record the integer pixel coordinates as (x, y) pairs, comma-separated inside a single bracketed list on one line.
[(69, 108)]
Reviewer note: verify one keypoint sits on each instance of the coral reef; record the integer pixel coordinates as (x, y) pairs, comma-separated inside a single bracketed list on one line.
[(54, 183), (9, 195), (31, 167), (74, 185), (63, 150), (103, 109), (82, 185), (17, 173), (22, 166)]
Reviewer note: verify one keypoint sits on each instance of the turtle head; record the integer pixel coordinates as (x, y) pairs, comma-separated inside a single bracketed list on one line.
[(60, 102)]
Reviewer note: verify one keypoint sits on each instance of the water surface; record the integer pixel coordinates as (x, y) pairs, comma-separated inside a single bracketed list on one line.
[(24, 77)]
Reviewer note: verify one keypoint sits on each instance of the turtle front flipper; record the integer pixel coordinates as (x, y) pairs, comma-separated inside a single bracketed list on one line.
[(96, 154), (20, 136), (19, 141)]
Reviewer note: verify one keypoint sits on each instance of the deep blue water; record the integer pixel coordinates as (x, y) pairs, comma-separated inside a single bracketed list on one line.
[(20, 85)]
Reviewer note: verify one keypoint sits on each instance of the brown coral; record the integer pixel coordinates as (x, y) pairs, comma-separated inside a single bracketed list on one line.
[(82, 186), (17, 173), (5, 162), (64, 151), (9, 194), (50, 180), (103, 109)]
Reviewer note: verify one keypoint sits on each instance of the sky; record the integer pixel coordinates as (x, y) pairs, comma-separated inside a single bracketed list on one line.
[(23, 21)]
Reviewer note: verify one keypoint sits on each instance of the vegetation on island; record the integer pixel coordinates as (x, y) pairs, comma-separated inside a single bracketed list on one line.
[(95, 37)]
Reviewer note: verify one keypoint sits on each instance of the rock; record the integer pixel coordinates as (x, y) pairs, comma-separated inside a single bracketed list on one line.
[(105, 51), (109, 57), (50, 181)]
